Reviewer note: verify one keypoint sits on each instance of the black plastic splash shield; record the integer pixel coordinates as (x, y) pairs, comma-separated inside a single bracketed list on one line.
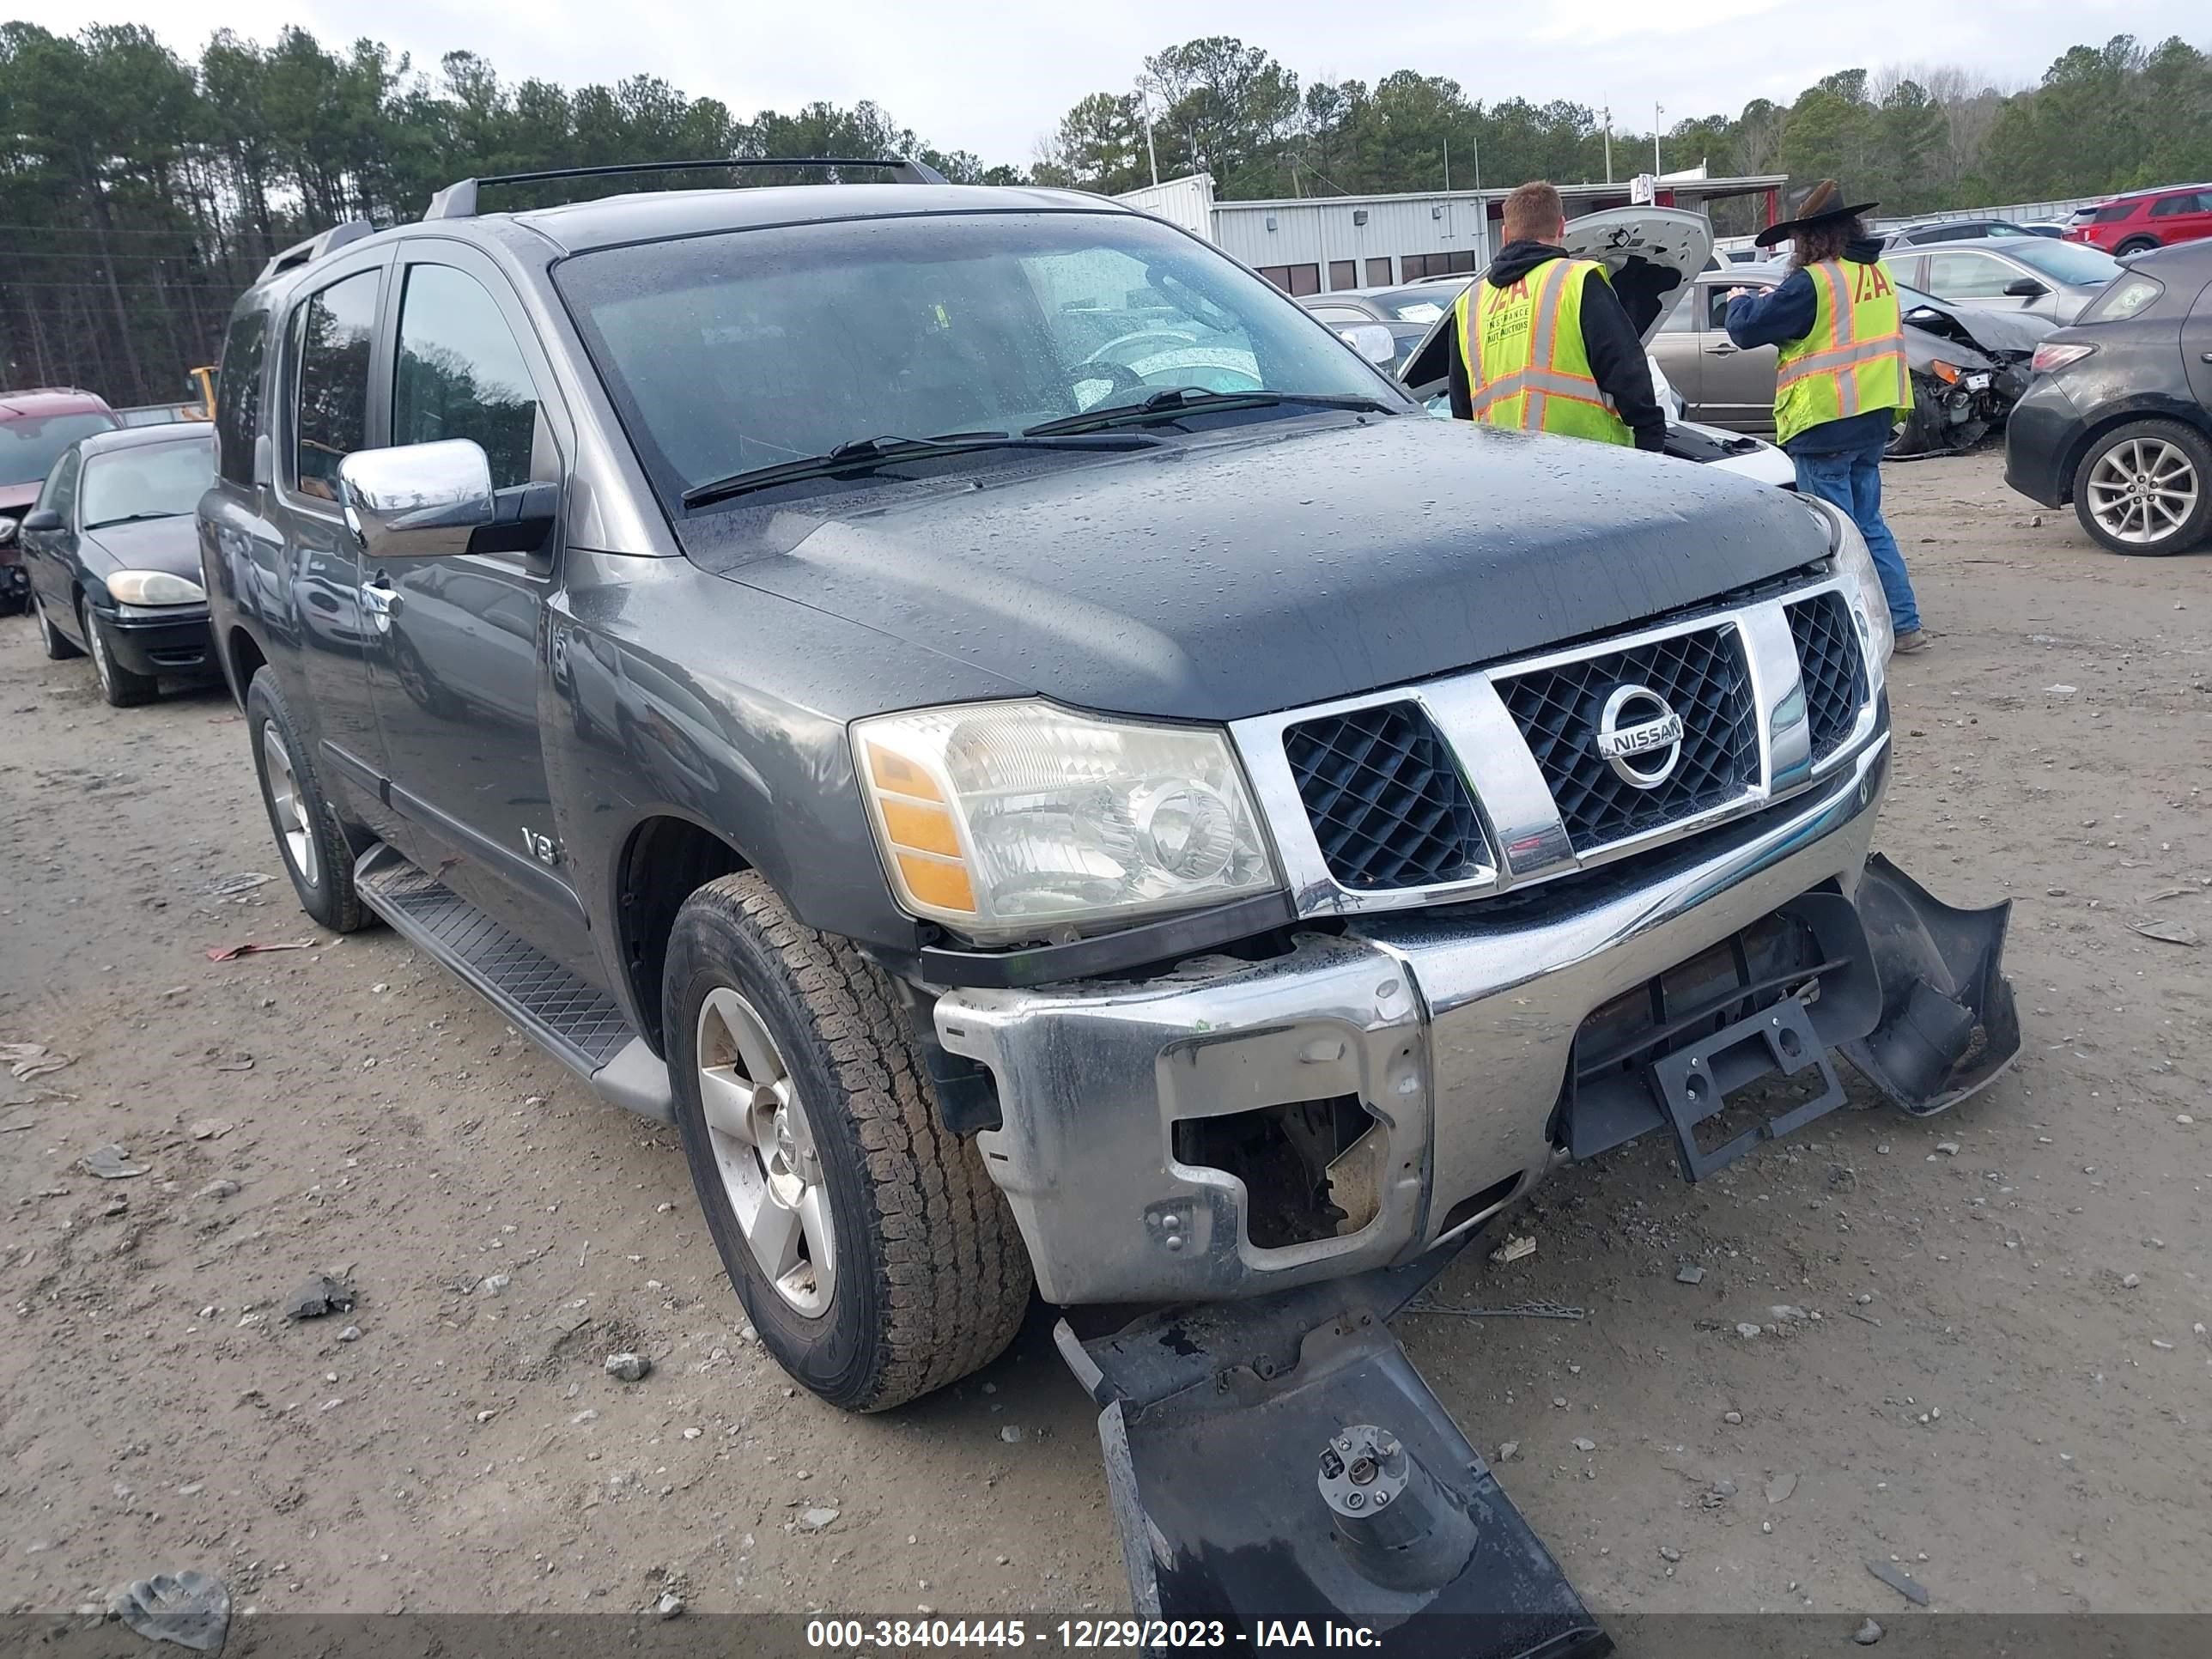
[(1216, 1424), (1948, 1025)]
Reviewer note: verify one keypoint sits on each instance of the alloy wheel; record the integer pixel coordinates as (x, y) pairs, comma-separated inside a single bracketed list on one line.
[(2143, 490), (764, 1148), (288, 806)]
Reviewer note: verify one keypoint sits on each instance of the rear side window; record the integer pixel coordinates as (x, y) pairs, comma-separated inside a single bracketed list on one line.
[(331, 337), (2168, 207), (2127, 297), (2112, 212), (460, 373), (238, 396)]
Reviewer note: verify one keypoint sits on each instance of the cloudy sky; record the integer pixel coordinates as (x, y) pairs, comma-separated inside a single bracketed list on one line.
[(993, 77)]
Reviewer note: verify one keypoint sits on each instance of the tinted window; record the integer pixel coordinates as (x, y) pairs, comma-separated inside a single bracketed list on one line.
[(2112, 212), (1378, 272), (151, 480), (730, 352), (331, 336), (2185, 201), (29, 447), (1965, 276), (238, 395), (1343, 273), (460, 373), (59, 491)]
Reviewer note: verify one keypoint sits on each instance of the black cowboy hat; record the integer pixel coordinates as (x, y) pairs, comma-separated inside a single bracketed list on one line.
[(1821, 201)]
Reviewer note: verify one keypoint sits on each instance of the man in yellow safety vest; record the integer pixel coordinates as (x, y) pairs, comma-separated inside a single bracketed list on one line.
[(1840, 379), (1540, 341)]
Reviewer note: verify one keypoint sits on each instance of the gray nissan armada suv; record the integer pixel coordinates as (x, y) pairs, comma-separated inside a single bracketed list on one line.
[(1041, 763)]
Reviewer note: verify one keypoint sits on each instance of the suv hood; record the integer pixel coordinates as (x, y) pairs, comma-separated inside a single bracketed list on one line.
[(1653, 255), (1231, 576)]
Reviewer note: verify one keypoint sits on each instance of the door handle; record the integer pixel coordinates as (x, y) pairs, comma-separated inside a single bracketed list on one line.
[(2206, 356), (1726, 350), (379, 600)]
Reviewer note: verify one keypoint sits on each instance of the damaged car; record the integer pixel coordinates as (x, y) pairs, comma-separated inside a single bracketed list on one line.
[(1969, 367), (1139, 810)]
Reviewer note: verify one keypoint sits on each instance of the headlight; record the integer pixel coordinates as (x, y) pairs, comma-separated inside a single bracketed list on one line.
[(1869, 605), (1014, 820), (154, 588)]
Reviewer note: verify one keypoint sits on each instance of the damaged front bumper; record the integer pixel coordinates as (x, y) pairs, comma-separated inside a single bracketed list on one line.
[(1234, 1126)]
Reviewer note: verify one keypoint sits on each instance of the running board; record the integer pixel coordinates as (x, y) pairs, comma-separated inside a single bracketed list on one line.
[(1279, 1461), (572, 1020)]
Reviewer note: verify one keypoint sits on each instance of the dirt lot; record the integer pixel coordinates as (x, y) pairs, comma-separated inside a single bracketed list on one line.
[(2002, 1380)]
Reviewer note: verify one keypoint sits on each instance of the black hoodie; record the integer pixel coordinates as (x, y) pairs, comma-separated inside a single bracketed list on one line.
[(1610, 340)]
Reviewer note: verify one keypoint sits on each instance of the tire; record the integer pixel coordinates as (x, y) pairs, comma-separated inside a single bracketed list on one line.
[(2134, 245), (121, 687), (308, 839), (2172, 462), (56, 644), (928, 1277)]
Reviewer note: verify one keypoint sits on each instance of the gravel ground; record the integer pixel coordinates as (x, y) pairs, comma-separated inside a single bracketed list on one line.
[(2000, 1379)]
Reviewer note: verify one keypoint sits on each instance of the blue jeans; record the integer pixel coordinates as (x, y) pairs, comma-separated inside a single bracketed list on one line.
[(1851, 479)]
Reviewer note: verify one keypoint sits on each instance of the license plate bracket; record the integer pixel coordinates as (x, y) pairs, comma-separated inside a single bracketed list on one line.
[(1694, 1082)]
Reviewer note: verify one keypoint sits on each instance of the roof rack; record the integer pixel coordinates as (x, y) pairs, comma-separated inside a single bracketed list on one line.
[(314, 247), (458, 199)]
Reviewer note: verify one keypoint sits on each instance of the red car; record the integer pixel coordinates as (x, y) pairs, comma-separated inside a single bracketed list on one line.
[(2145, 219), (35, 426)]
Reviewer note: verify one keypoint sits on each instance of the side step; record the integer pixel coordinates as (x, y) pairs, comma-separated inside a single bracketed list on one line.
[(575, 1021)]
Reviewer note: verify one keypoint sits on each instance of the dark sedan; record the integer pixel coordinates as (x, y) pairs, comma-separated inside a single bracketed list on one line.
[(2118, 420), (114, 559)]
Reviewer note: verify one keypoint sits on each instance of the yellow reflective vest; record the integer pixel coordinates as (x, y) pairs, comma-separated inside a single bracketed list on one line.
[(1853, 361), (1526, 365)]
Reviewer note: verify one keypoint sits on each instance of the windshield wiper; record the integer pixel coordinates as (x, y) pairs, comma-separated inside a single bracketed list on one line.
[(131, 518), (863, 454), (1177, 400)]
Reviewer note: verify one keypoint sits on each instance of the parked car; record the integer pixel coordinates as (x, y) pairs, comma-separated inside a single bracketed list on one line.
[(113, 558), (2142, 220), (2052, 281), (1968, 367), (1047, 833), (1952, 230), (36, 428), (2118, 420), (1689, 245)]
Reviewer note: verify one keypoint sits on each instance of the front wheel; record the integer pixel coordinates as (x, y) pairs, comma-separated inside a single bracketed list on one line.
[(870, 1248), (309, 838), (121, 687), (2146, 488)]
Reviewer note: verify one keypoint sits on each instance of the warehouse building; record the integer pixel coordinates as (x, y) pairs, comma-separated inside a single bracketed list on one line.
[(1314, 244)]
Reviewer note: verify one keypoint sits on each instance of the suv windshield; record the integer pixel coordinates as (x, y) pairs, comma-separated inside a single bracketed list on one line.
[(147, 481), (29, 449), (732, 352)]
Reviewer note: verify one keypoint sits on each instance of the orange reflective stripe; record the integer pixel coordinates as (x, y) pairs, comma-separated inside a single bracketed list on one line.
[(1836, 358)]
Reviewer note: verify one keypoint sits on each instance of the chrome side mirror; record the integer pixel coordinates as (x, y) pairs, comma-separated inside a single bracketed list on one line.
[(1371, 341), (417, 501)]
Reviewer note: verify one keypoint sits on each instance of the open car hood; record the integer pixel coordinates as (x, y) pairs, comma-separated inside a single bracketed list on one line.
[(1652, 254)]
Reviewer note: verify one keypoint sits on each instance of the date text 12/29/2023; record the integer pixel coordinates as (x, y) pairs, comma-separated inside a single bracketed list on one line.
[(876, 1636)]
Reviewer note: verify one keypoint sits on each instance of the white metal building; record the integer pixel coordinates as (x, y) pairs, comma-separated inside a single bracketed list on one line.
[(1316, 244)]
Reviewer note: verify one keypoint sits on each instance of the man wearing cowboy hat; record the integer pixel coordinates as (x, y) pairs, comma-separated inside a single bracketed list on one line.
[(1840, 381)]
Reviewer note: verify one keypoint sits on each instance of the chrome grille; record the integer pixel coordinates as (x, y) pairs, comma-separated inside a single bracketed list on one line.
[(1832, 668), (1386, 804), (1701, 675)]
